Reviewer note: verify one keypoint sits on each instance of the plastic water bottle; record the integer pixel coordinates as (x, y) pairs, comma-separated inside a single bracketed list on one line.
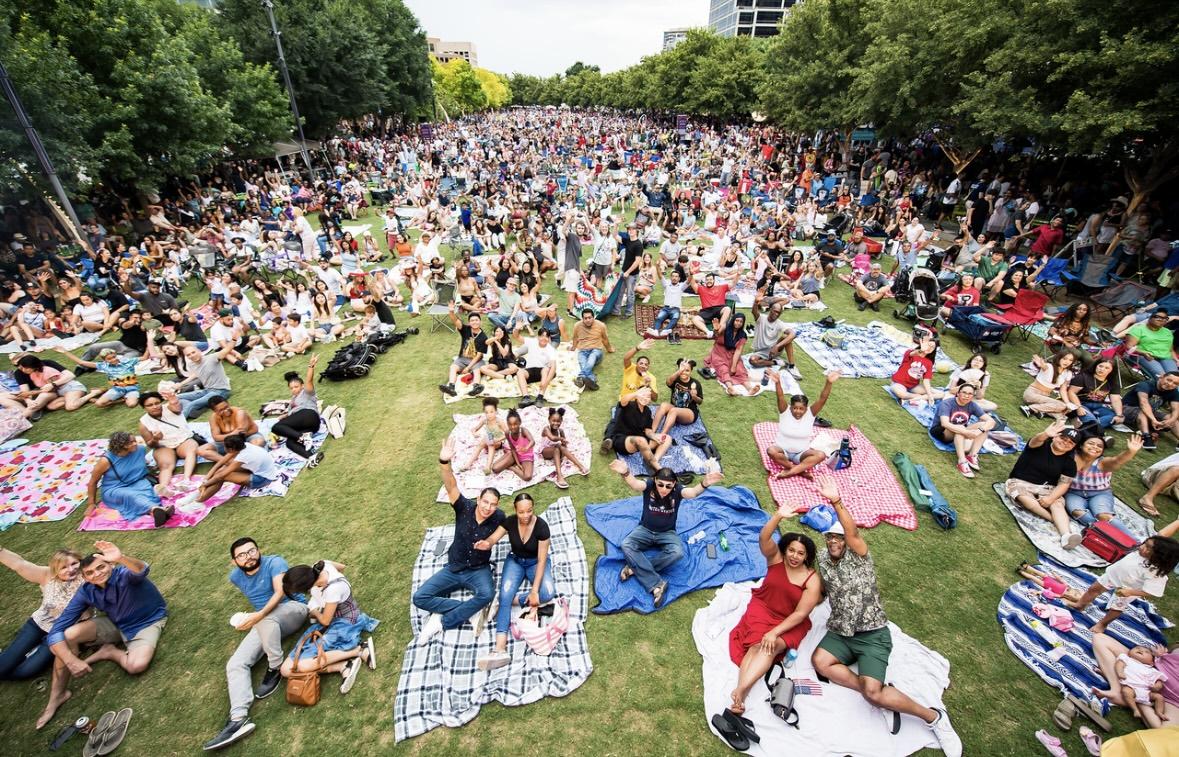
[(765, 378), (723, 541), (791, 656), (696, 537)]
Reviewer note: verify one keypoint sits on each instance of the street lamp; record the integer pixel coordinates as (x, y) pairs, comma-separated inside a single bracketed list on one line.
[(268, 6)]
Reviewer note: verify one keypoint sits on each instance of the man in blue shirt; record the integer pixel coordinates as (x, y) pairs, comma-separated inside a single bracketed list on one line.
[(135, 616), (259, 578), (961, 421)]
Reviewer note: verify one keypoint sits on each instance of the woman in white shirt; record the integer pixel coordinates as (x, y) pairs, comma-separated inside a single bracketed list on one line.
[(1054, 377), (90, 314), (792, 448), (168, 436)]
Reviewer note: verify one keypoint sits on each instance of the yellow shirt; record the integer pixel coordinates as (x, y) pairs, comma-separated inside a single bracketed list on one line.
[(632, 381)]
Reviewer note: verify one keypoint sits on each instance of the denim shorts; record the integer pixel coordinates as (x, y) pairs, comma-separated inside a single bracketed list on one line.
[(115, 393), (258, 482)]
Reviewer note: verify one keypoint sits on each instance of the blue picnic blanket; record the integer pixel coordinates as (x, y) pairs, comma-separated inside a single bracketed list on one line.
[(735, 511), (683, 457), (924, 413), (867, 352), (1076, 671)]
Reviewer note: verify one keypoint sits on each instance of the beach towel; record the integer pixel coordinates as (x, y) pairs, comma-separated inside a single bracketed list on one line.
[(50, 480), (105, 518), (288, 463), (868, 352), (734, 511), (1065, 660), (833, 721), (12, 422), (562, 391), (68, 344), (534, 419), (682, 457), (924, 414), (440, 684), (870, 491), (790, 385), (1046, 538)]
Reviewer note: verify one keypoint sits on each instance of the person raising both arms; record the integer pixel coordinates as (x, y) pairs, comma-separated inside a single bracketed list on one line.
[(796, 428)]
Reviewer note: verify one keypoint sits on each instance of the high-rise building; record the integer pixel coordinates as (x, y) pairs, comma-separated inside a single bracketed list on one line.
[(750, 18), (447, 51), (673, 37)]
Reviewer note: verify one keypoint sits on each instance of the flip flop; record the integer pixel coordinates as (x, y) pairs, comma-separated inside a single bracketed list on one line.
[(1084, 708), (98, 734), (118, 730), (1063, 714), (734, 738), (1091, 740), (743, 725), (1051, 743)]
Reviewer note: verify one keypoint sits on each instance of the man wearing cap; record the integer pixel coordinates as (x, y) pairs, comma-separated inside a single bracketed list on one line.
[(830, 251), (872, 288), (1042, 475), (857, 629), (153, 301), (120, 373)]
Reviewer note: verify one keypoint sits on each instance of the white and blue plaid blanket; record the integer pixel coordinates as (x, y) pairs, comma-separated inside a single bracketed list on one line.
[(867, 352)]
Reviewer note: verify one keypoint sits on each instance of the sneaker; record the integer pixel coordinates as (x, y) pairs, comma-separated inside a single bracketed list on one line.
[(1027, 411), (306, 440), (269, 683), (875, 306), (372, 653), (539, 401), (1149, 444), (659, 593), (1122, 428), (476, 390), (592, 384), (651, 332), (579, 382), (315, 460), (947, 739), (1070, 540), (625, 573), (861, 306), (793, 371), (607, 446), (972, 461), (447, 389), (493, 661), (526, 402), (964, 469), (822, 422), (708, 333), (432, 628), (233, 731), (351, 669)]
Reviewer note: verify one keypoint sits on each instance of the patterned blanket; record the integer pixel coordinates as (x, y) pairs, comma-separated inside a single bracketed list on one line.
[(440, 684), (683, 457), (868, 352), (69, 344), (46, 480), (289, 464), (104, 518), (535, 420), (924, 413), (869, 488), (561, 392)]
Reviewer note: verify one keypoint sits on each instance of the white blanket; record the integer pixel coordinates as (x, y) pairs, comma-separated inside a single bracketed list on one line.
[(838, 722)]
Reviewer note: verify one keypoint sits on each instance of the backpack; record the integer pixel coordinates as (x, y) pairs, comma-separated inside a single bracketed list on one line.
[(336, 419), (352, 361), (781, 697)]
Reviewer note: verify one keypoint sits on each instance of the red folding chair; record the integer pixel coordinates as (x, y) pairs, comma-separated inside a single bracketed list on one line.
[(1025, 312)]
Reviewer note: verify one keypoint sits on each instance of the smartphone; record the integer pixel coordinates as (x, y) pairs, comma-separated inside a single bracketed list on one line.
[(711, 551)]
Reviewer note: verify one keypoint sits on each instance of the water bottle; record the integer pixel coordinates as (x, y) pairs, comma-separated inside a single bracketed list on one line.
[(724, 542), (696, 536), (791, 656), (765, 378)]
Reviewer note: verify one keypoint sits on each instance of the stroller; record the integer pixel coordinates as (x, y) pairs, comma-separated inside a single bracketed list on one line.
[(980, 331), (917, 288)]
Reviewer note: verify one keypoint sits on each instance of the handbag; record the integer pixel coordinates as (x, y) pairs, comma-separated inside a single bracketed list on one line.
[(303, 687), (542, 639), (1107, 541), (781, 697)]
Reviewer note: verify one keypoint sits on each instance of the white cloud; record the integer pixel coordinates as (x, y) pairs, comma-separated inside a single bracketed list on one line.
[(547, 36)]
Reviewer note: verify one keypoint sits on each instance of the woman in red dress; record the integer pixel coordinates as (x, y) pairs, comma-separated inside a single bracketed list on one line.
[(778, 615)]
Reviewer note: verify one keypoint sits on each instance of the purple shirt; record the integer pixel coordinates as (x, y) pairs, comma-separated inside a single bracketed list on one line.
[(130, 601)]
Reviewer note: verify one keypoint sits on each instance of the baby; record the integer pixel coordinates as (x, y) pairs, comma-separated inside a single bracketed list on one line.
[(1142, 684)]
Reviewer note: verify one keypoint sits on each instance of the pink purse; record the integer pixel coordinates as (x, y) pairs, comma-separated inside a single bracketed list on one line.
[(542, 639)]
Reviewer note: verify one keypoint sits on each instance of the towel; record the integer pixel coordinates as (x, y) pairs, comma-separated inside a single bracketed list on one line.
[(108, 519), (868, 353), (49, 480), (924, 415), (789, 383), (561, 391)]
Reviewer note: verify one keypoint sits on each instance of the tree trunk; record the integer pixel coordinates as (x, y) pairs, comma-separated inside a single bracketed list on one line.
[(956, 158), (1162, 165), (845, 144)]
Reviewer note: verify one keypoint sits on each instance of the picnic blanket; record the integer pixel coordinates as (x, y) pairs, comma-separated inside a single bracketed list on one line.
[(833, 721), (924, 414), (682, 457), (1046, 539), (12, 423), (562, 391), (289, 464), (734, 511), (871, 493), (49, 479), (534, 419), (869, 352), (440, 684), (1069, 666), (789, 383), (104, 518), (645, 319), (69, 343)]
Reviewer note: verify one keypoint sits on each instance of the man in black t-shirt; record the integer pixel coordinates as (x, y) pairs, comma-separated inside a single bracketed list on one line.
[(1152, 405), (132, 341), (632, 258), (1042, 475), (467, 566), (472, 348), (662, 496)]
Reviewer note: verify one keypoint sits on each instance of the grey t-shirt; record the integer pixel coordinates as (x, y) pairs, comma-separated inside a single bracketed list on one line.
[(304, 400), (211, 375)]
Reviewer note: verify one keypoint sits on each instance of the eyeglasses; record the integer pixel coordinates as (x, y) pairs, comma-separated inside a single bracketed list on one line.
[(664, 484), (251, 552)]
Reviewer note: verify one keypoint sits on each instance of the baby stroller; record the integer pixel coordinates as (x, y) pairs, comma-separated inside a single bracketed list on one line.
[(980, 331), (917, 288)]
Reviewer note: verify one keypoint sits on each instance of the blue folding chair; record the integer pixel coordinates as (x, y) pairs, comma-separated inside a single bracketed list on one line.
[(1051, 277)]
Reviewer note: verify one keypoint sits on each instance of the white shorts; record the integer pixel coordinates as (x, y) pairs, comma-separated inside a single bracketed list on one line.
[(571, 280)]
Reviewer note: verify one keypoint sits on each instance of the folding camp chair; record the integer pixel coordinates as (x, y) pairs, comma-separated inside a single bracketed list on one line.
[(1122, 297), (1051, 276), (439, 312), (1093, 272), (1025, 312)]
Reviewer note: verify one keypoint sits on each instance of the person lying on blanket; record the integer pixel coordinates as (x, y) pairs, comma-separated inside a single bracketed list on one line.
[(528, 559), (857, 629), (1042, 475), (796, 428), (135, 615), (662, 497), (1141, 573), (724, 361), (686, 397), (633, 430), (777, 618), (952, 425), (165, 431), (122, 471), (911, 382), (1107, 650), (554, 445), (259, 577), (227, 419), (540, 366), (467, 566)]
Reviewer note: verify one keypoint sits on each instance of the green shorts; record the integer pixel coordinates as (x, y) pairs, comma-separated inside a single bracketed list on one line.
[(868, 648)]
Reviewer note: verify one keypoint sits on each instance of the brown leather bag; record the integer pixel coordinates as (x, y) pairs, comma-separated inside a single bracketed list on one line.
[(303, 687)]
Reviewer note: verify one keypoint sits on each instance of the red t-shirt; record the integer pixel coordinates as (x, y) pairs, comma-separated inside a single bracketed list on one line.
[(1048, 240), (914, 368), (956, 296), (713, 296)]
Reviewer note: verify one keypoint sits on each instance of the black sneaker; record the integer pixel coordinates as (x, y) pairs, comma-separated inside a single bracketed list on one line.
[(1150, 445), (875, 306), (607, 446), (233, 731), (447, 389), (861, 306), (476, 390), (539, 401), (526, 402), (593, 385), (579, 382), (269, 684)]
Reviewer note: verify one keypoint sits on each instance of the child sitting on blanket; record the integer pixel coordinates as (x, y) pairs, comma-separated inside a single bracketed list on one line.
[(553, 446), (490, 433), (1142, 684)]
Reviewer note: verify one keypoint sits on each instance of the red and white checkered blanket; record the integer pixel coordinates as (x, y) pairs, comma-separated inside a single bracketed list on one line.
[(870, 491)]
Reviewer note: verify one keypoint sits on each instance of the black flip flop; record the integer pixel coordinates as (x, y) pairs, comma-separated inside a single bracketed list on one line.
[(118, 730), (896, 722), (734, 738), (743, 725)]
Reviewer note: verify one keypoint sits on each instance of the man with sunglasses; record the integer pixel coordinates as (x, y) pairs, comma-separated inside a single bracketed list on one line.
[(662, 496), (259, 578)]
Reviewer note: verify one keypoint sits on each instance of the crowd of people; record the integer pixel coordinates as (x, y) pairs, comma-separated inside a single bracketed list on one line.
[(620, 210)]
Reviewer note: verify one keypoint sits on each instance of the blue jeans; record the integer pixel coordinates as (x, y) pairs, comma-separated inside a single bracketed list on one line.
[(1153, 365), (26, 655), (516, 569), (195, 402), (503, 321), (1084, 507), (666, 318), (587, 360), (628, 293), (647, 569), (1101, 412), (434, 594)]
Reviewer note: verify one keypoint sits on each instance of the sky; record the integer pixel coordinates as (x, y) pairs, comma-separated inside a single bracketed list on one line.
[(545, 37)]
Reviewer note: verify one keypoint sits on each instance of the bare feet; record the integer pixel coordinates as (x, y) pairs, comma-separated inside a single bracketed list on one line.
[(51, 709), (1098, 628), (1146, 502), (738, 705)]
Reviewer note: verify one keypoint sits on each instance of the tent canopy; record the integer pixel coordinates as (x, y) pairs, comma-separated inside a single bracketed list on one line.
[(283, 149)]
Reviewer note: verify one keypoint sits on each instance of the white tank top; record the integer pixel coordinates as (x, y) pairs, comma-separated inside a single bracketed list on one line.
[(794, 435)]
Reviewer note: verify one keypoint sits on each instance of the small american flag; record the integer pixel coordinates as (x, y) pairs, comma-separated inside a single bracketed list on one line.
[(807, 686)]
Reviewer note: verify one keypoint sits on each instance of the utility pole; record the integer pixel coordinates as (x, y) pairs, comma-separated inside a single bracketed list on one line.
[(268, 6), (42, 157)]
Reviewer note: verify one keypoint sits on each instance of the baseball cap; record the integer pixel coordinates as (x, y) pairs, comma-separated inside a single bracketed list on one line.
[(836, 528), (1072, 434), (224, 312)]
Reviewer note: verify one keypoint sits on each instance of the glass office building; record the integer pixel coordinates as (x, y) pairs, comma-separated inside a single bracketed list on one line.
[(751, 18)]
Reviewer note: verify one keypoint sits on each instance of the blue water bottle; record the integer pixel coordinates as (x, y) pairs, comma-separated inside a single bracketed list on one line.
[(791, 656)]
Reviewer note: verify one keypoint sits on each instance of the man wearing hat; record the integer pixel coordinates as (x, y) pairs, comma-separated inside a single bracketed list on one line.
[(857, 629), (830, 251), (154, 300), (1042, 475)]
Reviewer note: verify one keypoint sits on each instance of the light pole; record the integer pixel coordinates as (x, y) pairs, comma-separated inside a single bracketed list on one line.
[(268, 6)]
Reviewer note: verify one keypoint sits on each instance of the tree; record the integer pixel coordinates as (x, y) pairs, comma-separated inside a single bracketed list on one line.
[(495, 87), (578, 67), (458, 87), (726, 81)]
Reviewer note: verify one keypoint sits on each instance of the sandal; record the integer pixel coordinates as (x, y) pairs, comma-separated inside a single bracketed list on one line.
[(1063, 714), (1150, 510), (1051, 743), (743, 725), (1091, 740), (118, 730), (734, 738), (1086, 709), (98, 734)]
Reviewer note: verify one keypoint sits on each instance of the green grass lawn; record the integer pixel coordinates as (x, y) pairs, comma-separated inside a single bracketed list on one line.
[(369, 502)]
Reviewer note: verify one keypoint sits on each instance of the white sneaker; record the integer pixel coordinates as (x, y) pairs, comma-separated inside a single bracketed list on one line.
[(187, 501), (432, 628), (946, 737), (1070, 540), (493, 661), (708, 333), (351, 669), (793, 371)]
